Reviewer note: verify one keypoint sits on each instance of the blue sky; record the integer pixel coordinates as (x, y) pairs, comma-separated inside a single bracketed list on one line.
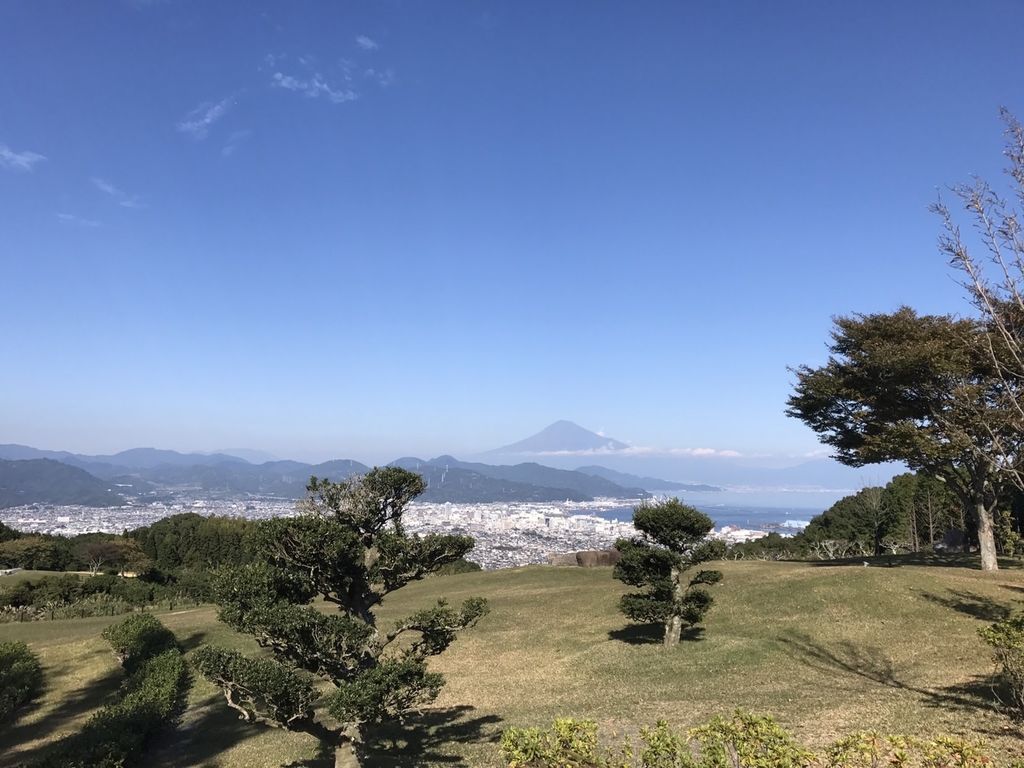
[(371, 229)]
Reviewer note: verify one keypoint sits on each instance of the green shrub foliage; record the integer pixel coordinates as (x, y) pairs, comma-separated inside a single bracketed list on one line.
[(151, 698), (1007, 640), (139, 637), (258, 688), (740, 741), (674, 540), (21, 677)]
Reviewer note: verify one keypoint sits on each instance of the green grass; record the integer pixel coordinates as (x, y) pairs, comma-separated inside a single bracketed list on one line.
[(826, 649)]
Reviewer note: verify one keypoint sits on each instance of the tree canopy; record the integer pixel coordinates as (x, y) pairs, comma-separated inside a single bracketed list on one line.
[(921, 389), (348, 547), (674, 540)]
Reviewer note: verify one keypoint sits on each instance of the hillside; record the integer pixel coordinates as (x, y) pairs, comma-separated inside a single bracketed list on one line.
[(531, 473), (29, 481), (827, 649), (647, 483), (151, 472), (462, 485)]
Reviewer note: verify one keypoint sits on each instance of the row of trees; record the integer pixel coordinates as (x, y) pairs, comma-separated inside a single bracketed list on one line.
[(944, 395)]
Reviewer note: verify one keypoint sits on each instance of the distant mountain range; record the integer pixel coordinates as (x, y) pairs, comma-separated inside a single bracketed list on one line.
[(45, 480), (31, 475), (624, 472), (652, 484)]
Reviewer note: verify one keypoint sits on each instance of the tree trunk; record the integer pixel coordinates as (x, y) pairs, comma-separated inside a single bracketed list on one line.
[(931, 520), (346, 754), (674, 624), (986, 537)]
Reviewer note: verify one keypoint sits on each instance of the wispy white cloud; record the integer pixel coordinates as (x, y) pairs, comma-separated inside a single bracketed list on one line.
[(234, 140), (77, 221), (367, 43), (197, 123), (18, 161), (383, 78), (123, 198), (313, 88), (271, 60)]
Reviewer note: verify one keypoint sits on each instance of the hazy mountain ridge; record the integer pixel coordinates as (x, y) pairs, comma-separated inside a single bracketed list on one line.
[(646, 483), (448, 479), (47, 481)]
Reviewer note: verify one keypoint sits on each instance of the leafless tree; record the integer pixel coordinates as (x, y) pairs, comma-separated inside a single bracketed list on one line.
[(995, 279)]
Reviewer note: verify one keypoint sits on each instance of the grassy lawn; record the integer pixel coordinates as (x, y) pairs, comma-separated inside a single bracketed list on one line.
[(826, 649)]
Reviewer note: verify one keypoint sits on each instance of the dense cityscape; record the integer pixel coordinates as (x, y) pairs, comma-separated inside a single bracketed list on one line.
[(506, 534)]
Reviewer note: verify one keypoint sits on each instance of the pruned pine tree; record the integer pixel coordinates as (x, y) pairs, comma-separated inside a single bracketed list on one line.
[(349, 548), (674, 540)]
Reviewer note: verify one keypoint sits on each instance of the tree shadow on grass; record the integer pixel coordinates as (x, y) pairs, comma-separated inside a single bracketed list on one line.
[(58, 720), (192, 641), (969, 560), (971, 604), (652, 634), (421, 740), (983, 693), (209, 730)]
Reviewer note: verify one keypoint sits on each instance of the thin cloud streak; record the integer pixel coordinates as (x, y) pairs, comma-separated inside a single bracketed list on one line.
[(19, 161), (367, 43), (313, 88), (234, 140), (78, 221), (123, 199), (198, 122)]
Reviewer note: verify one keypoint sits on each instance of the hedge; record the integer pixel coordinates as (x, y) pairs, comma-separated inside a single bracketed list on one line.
[(21, 677), (151, 699)]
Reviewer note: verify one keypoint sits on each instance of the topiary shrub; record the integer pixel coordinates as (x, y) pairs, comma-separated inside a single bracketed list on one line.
[(151, 698), (21, 677), (1007, 640), (139, 637)]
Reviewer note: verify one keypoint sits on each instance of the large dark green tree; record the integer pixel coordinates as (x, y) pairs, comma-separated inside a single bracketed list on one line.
[(674, 540), (921, 389), (349, 548)]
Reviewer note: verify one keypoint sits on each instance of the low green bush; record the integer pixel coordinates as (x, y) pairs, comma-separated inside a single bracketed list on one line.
[(1007, 640), (741, 741), (151, 699), (21, 677), (139, 637)]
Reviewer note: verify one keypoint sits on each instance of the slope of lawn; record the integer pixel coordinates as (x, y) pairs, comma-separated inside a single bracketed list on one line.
[(827, 649)]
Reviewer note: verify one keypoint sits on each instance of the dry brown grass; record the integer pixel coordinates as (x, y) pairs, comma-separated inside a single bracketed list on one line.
[(827, 650)]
